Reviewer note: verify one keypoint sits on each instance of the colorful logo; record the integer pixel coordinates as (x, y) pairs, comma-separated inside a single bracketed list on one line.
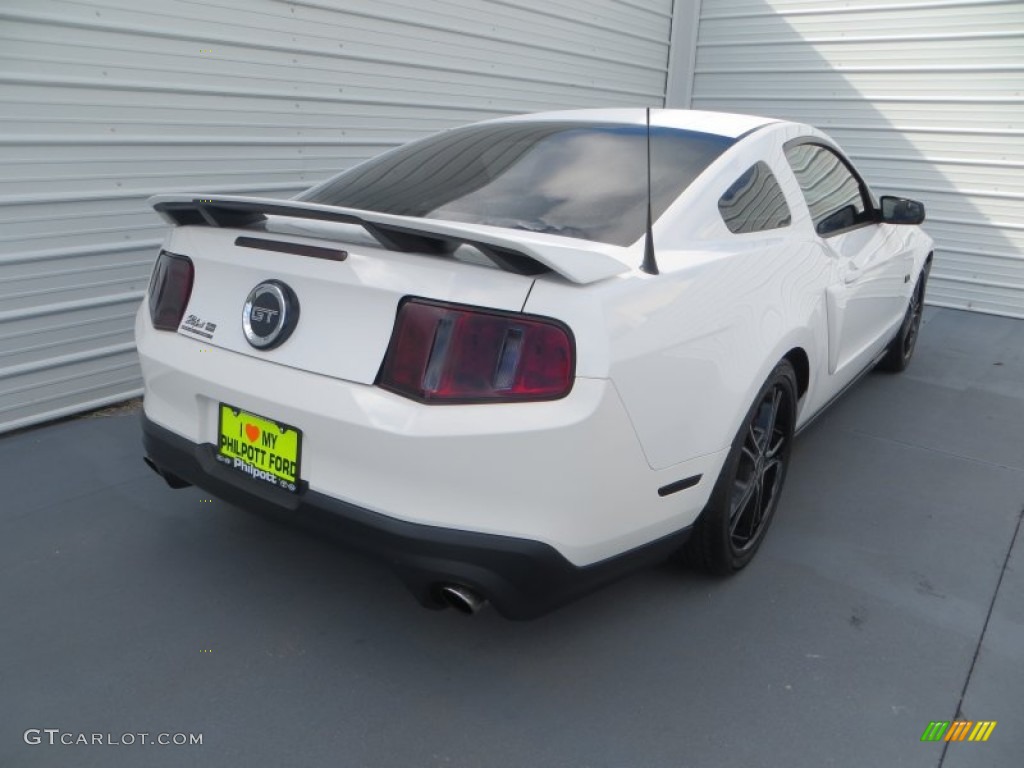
[(958, 730)]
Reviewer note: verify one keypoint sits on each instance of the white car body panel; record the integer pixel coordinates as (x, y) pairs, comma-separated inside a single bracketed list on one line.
[(869, 299), (667, 365)]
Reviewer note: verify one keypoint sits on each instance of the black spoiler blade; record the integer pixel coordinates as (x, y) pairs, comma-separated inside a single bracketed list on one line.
[(522, 253)]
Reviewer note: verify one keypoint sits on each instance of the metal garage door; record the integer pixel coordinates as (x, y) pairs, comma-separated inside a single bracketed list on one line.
[(107, 102), (928, 97)]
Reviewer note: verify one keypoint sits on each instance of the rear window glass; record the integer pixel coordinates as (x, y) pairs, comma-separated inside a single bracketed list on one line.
[(754, 202), (574, 179)]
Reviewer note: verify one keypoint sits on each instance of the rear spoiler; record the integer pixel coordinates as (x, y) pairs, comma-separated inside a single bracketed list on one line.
[(525, 253)]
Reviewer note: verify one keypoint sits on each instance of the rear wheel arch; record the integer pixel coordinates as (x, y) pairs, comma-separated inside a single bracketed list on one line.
[(801, 363), (791, 349)]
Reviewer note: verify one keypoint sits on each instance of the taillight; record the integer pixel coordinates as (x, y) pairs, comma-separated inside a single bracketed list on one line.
[(169, 290), (445, 353)]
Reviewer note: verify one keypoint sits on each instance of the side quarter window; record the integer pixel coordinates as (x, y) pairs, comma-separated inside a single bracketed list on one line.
[(754, 202), (835, 197)]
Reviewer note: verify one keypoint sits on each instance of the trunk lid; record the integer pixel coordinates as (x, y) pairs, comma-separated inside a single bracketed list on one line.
[(347, 307)]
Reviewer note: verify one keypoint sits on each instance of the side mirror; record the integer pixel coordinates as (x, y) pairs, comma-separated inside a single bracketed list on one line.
[(901, 210)]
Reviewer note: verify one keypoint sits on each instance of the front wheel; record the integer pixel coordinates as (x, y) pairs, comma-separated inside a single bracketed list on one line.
[(743, 502), (901, 349)]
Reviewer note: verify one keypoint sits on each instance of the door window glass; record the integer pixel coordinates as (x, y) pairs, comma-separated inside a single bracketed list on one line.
[(833, 194)]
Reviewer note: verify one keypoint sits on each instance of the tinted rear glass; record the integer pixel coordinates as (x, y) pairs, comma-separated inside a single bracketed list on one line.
[(582, 180)]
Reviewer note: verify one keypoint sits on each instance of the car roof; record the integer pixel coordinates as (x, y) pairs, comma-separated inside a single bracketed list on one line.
[(720, 123)]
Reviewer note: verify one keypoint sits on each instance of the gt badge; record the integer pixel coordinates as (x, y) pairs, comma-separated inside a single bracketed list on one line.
[(270, 314)]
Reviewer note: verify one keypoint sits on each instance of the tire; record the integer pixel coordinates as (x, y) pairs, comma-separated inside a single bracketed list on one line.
[(731, 528), (901, 348)]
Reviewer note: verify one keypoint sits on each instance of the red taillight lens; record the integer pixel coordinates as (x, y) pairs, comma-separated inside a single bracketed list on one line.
[(169, 290), (444, 353)]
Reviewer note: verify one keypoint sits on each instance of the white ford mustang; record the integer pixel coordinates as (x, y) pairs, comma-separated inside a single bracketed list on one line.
[(475, 357)]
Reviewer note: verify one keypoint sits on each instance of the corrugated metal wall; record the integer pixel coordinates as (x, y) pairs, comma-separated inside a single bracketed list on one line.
[(106, 102), (926, 95)]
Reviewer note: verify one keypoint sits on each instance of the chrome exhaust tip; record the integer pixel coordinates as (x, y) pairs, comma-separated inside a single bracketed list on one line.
[(462, 599)]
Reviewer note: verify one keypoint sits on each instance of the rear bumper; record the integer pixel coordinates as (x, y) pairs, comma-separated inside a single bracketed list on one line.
[(522, 578), (570, 473)]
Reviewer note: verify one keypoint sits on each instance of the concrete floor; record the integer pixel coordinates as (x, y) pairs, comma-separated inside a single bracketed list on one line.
[(886, 596)]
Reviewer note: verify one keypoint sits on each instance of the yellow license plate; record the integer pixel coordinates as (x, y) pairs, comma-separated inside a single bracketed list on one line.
[(266, 450)]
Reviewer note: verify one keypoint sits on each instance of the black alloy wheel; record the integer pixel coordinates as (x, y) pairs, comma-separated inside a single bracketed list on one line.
[(746, 495), (913, 320), (761, 468)]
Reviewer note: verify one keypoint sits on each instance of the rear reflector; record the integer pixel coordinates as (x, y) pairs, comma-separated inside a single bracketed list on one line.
[(448, 353), (169, 290)]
